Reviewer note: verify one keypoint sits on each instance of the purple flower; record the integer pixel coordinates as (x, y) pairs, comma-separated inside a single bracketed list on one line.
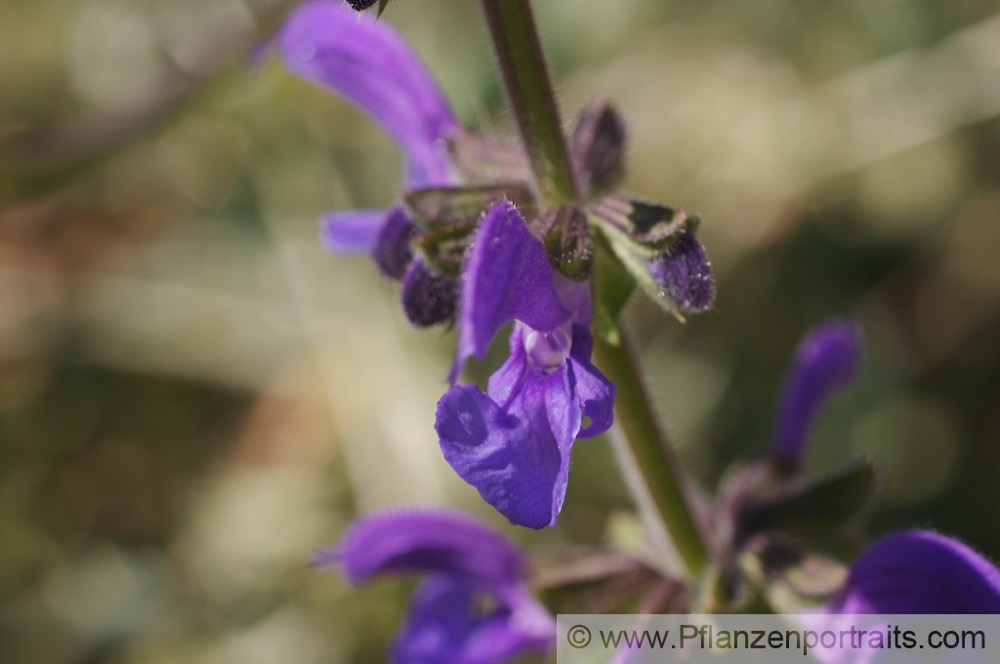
[(473, 607), (919, 572), (827, 359), (513, 443), (366, 62)]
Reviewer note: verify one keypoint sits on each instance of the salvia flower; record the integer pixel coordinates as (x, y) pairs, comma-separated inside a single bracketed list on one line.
[(473, 245), (919, 572), (366, 62), (770, 512), (513, 443), (905, 573), (472, 607)]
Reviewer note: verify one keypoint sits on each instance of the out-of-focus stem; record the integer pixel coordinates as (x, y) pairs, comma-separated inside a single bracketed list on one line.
[(658, 466)]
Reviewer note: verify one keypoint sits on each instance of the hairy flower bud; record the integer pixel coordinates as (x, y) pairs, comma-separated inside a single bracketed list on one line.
[(684, 273), (598, 145), (429, 297)]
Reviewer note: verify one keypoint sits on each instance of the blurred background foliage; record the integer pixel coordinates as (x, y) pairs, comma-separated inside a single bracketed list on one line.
[(194, 395)]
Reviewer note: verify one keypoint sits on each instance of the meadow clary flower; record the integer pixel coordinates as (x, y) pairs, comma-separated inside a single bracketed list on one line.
[(366, 62), (827, 359), (906, 572), (513, 443), (472, 608), (919, 572)]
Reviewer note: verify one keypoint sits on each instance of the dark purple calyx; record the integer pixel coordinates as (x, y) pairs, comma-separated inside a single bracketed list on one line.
[(598, 147), (428, 296)]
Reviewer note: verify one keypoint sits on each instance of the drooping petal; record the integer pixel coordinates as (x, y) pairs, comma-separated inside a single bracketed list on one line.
[(367, 62), (595, 393), (447, 624), (506, 277), (424, 541), (685, 274), (352, 231), (518, 459), (392, 252), (827, 359), (920, 572)]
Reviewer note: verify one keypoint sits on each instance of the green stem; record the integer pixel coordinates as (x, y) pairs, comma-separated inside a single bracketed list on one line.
[(529, 90), (658, 466)]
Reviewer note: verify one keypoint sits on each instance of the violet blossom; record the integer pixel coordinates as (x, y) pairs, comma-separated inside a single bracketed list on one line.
[(919, 571), (471, 246), (513, 443), (473, 606), (366, 62), (903, 573)]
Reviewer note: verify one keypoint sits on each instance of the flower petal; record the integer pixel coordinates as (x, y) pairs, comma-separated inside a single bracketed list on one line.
[(828, 358), (506, 277), (447, 625), (352, 231), (372, 66), (920, 572), (518, 459), (424, 541), (506, 381), (595, 393), (685, 274)]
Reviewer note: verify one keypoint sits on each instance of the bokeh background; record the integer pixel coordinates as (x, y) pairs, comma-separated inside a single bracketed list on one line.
[(194, 396)]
